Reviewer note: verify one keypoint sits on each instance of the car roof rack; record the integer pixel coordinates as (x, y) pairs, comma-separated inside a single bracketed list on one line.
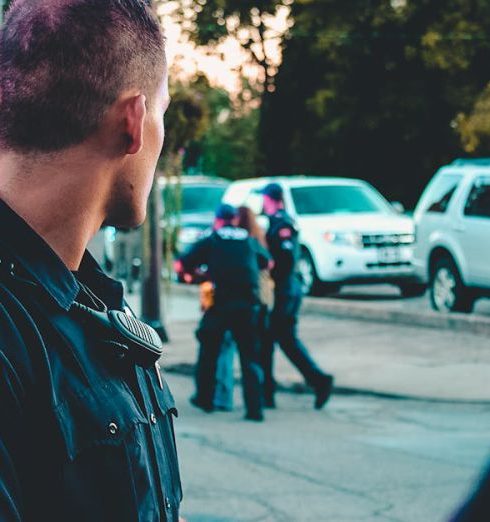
[(477, 162)]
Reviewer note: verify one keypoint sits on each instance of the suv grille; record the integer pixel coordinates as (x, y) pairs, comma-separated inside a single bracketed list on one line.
[(386, 240)]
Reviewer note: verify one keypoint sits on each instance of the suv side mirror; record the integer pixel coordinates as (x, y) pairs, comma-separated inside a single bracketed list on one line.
[(399, 208)]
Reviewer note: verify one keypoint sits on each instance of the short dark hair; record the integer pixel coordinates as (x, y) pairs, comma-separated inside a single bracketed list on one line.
[(64, 62)]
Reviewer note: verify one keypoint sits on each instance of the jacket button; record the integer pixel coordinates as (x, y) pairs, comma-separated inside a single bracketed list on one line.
[(113, 429), (167, 503), (153, 418)]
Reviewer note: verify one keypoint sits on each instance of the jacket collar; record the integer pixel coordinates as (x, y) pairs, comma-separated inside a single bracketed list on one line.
[(21, 245)]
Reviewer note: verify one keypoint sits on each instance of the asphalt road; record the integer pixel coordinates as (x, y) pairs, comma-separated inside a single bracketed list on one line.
[(381, 357), (362, 459)]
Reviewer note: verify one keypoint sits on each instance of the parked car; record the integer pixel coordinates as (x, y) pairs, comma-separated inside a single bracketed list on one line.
[(188, 207), (119, 253), (452, 220), (348, 231)]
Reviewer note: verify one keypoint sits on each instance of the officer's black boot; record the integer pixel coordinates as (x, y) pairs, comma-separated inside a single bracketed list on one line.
[(269, 401), (255, 416), (195, 401), (323, 390)]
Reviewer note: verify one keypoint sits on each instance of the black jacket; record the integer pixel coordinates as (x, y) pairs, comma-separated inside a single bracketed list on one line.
[(282, 238), (233, 260), (85, 435)]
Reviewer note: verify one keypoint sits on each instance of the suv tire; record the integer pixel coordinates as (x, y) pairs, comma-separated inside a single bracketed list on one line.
[(447, 290), (310, 284)]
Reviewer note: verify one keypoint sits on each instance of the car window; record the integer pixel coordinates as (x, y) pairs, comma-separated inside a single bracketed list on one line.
[(194, 198), (201, 198), (338, 199), (439, 193), (478, 202)]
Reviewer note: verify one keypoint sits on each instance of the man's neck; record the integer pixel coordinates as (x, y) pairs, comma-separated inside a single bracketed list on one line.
[(59, 199)]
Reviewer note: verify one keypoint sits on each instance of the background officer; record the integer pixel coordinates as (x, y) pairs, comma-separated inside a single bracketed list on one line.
[(282, 238), (233, 261)]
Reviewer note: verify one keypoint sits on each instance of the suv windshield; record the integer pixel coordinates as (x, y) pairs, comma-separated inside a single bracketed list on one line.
[(195, 198), (201, 198), (338, 199)]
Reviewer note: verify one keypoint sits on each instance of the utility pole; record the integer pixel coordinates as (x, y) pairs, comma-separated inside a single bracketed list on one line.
[(152, 261), (152, 265)]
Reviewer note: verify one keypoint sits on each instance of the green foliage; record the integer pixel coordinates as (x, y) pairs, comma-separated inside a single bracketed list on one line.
[(248, 21), (188, 115), (207, 132), (474, 128), (5, 4), (374, 89), (211, 19), (229, 148)]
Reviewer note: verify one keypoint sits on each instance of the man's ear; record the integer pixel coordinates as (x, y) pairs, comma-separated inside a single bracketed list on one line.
[(135, 114)]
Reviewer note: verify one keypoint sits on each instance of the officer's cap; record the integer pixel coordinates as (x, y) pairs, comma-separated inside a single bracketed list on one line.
[(274, 191), (226, 212)]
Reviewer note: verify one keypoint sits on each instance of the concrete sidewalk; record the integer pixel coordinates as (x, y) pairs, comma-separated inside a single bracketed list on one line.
[(365, 356)]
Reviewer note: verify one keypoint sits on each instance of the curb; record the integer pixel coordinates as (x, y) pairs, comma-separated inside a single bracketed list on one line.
[(298, 388), (474, 324)]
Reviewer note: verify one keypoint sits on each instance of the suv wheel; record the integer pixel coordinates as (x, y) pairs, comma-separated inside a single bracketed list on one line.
[(310, 283), (412, 289), (447, 291), (307, 272)]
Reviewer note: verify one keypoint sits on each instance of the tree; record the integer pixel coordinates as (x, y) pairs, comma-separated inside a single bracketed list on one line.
[(226, 142), (187, 117), (474, 127), (250, 22), (230, 147), (374, 89), (4, 5)]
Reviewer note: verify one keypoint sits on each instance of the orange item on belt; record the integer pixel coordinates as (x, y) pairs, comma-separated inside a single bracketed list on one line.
[(206, 295)]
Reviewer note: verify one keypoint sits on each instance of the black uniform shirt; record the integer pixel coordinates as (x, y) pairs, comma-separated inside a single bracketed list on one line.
[(282, 238), (85, 435), (233, 260)]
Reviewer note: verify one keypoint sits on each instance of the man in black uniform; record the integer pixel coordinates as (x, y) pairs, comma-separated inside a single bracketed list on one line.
[(86, 421), (282, 238), (233, 260)]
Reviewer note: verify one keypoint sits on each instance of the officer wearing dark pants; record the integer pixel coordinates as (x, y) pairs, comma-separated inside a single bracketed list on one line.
[(241, 320), (233, 261), (282, 238)]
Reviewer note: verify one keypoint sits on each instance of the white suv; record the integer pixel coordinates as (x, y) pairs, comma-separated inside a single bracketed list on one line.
[(349, 233), (452, 220)]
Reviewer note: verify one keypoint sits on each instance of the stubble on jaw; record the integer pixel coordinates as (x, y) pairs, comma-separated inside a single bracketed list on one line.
[(124, 209)]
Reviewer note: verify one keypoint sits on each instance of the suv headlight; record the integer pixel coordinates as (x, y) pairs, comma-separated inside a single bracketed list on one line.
[(353, 239)]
